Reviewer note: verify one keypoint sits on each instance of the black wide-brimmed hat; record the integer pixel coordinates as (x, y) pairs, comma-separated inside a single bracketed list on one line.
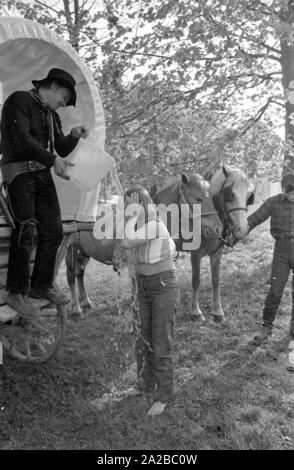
[(64, 78), (288, 182)]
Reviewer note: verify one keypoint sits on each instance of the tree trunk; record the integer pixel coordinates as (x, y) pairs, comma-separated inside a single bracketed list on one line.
[(73, 27), (287, 63)]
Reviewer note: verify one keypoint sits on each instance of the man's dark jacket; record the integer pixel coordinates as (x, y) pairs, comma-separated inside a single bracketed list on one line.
[(24, 132)]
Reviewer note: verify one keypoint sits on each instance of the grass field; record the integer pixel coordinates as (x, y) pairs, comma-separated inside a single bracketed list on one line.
[(228, 395)]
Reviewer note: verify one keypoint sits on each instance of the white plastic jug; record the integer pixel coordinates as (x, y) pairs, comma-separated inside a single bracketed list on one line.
[(91, 165)]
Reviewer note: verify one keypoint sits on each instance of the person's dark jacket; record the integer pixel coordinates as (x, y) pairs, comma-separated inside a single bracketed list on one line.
[(24, 132)]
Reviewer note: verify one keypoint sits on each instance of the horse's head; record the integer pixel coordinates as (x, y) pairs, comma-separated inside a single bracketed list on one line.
[(230, 191), (195, 190)]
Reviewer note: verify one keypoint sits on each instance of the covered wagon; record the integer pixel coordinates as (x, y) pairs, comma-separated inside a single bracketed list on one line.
[(29, 50)]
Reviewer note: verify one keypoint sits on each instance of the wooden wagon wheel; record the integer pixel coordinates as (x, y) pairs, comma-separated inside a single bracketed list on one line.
[(37, 340), (34, 341)]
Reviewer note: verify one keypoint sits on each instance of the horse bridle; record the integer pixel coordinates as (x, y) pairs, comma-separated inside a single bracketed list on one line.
[(236, 209), (227, 232), (228, 211), (203, 214), (182, 195)]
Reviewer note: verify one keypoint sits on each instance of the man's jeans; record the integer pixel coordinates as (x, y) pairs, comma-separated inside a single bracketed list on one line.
[(34, 204), (283, 262), (157, 297)]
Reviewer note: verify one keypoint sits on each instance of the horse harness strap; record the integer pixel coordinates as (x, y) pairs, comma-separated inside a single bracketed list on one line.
[(208, 213), (224, 215), (187, 203), (236, 209), (222, 203)]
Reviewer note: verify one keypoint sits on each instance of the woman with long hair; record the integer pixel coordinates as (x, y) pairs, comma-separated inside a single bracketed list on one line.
[(153, 253)]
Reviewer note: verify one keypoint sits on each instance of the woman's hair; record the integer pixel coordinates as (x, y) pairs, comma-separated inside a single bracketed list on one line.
[(145, 200)]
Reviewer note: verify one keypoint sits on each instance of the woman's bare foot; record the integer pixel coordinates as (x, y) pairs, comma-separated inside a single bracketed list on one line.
[(157, 408)]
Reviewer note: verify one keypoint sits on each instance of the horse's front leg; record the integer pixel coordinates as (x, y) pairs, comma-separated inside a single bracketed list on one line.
[(196, 313), (85, 302), (70, 261), (218, 313)]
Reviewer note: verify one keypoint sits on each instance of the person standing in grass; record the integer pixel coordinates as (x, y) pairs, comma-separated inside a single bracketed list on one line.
[(153, 251), (280, 209)]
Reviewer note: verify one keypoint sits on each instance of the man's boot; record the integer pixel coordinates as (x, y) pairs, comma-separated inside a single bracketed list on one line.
[(54, 294), (22, 306)]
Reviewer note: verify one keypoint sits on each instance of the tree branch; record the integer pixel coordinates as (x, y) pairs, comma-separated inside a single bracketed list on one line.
[(44, 5), (271, 48), (257, 117), (259, 56)]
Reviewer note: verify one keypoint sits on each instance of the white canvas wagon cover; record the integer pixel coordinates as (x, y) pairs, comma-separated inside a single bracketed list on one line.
[(28, 50)]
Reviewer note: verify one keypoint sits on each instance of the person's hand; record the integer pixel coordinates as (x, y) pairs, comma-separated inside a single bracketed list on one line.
[(133, 198), (79, 131), (60, 167), (247, 231)]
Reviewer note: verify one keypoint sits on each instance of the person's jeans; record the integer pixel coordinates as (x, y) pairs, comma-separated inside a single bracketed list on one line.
[(283, 262), (34, 204), (157, 298)]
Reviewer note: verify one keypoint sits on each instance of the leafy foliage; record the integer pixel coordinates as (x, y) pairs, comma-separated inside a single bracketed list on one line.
[(176, 77)]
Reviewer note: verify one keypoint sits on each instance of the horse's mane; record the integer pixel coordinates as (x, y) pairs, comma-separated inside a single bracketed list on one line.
[(173, 186), (175, 183), (219, 178)]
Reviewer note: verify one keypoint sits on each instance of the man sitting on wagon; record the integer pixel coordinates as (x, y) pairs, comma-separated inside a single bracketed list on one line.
[(29, 125)]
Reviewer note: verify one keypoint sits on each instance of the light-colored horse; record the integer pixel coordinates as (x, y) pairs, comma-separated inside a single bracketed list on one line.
[(229, 193), (229, 189)]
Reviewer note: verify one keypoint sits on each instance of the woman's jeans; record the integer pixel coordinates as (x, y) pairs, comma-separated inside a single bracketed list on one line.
[(34, 204), (157, 298), (283, 262)]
